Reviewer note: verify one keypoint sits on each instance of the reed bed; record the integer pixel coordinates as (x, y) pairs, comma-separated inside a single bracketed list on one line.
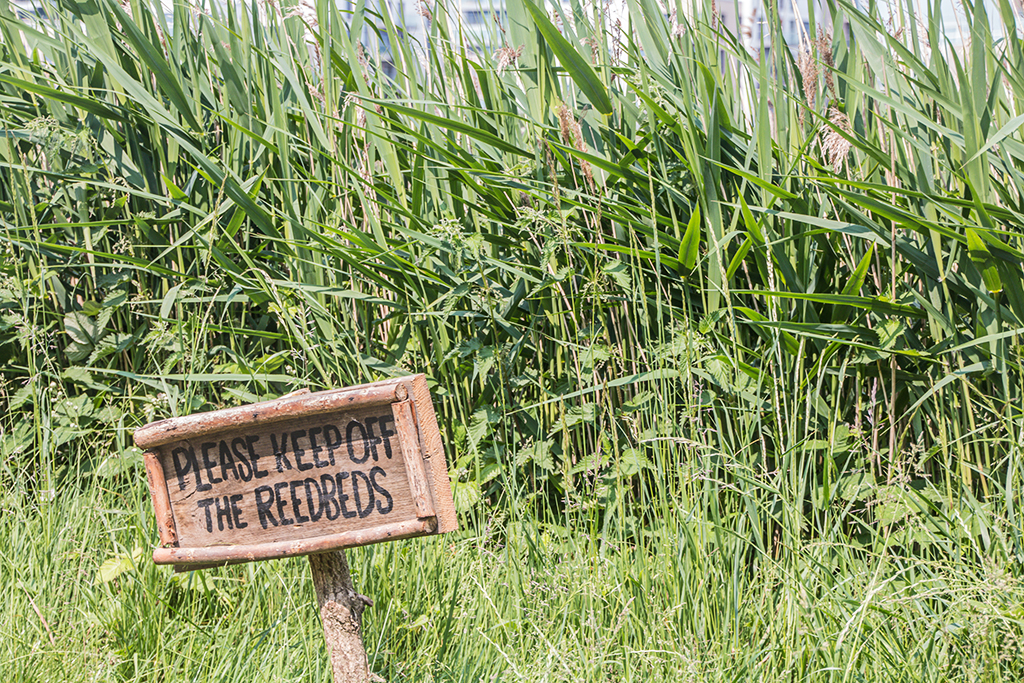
[(724, 340)]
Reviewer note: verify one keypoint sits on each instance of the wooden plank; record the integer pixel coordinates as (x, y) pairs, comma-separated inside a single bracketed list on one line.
[(221, 555), (433, 454), (306, 477), (302, 474), (408, 437), (204, 424), (161, 499)]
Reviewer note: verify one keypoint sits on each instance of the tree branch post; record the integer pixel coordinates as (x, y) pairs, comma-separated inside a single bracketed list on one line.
[(341, 611)]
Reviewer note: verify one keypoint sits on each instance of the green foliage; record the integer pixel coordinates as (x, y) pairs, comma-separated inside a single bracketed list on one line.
[(734, 337)]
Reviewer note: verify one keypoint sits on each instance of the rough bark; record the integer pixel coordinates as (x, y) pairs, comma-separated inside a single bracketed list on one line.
[(341, 610)]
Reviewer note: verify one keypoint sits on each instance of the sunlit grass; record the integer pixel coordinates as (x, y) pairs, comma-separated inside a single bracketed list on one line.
[(516, 600), (725, 348)]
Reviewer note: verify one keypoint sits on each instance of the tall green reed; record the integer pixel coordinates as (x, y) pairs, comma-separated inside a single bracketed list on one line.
[(661, 283)]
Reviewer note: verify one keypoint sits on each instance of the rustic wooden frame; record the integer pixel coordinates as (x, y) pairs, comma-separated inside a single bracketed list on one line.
[(421, 448)]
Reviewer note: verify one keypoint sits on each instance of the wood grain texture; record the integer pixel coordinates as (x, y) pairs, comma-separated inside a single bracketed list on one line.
[(341, 612), (202, 558), (309, 476), (408, 437), (433, 452), (161, 499), (302, 474), (286, 408)]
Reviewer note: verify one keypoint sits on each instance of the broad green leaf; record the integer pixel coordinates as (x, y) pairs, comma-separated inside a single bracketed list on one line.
[(691, 240), (632, 462), (481, 425), (572, 61), (115, 566), (91, 105), (856, 281), (155, 61), (889, 332), (981, 256), (455, 125)]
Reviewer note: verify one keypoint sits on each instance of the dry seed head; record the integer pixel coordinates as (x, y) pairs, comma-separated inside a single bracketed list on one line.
[(306, 10), (594, 43), (549, 160), (808, 74), (317, 56), (572, 134), (507, 56), (616, 43), (678, 29), (748, 27), (824, 44), (569, 126), (353, 99), (834, 146)]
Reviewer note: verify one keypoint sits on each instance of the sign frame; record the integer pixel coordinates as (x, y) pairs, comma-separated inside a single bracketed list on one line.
[(420, 448)]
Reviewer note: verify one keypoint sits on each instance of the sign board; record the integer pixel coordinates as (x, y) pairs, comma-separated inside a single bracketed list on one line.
[(302, 474)]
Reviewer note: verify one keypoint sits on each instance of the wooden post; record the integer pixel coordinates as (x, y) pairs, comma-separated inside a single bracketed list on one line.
[(305, 474), (341, 610)]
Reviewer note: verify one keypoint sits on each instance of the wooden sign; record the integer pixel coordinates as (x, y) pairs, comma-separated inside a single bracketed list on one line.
[(303, 474)]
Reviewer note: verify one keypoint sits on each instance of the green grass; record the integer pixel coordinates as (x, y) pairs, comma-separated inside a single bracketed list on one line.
[(512, 599), (730, 385)]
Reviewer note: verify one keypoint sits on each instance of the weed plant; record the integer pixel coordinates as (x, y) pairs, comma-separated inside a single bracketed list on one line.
[(725, 340)]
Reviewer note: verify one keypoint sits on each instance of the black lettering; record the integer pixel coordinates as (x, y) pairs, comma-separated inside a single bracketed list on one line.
[(329, 497), (236, 512), (205, 505), (332, 442), (372, 440), (223, 514), (315, 449), (386, 433), (280, 452), (342, 497), (281, 502), (227, 461), (374, 473), (190, 465), (314, 513), (254, 458), (363, 511), (303, 466), (263, 506), (299, 517), (362, 435), (208, 464), (243, 469)]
